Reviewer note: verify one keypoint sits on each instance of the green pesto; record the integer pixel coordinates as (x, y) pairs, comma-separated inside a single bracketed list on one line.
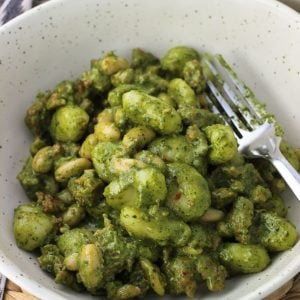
[(68, 279), (37, 144), (203, 238), (193, 74), (65, 197), (96, 80), (223, 196), (154, 275), (115, 95), (143, 109), (198, 116), (32, 227), (88, 145), (148, 250), (87, 188), (116, 291), (70, 168), (118, 250), (125, 76), (91, 267), (50, 259), (289, 152), (29, 180), (275, 204), (140, 188), (178, 148), (142, 59), (70, 149), (137, 138), (102, 154), (121, 119), (73, 215), (44, 158), (176, 57), (212, 272), (105, 129), (62, 94), (72, 240), (163, 230), (181, 276), (223, 145), (239, 258), (251, 178), (137, 278), (69, 123), (260, 194), (238, 221), (151, 79), (152, 160), (276, 233), (111, 64), (137, 186), (182, 93), (166, 98), (189, 196), (37, 117)]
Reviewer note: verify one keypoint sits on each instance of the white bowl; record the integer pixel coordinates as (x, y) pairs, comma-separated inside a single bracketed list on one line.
[(55, 41)]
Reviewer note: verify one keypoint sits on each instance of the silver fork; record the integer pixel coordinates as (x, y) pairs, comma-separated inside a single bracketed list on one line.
[(236, 104)]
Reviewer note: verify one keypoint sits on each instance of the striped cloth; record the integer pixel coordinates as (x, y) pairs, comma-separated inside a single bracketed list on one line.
[(12, 8)]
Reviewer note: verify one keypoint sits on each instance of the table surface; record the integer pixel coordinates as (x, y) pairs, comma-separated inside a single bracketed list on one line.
[(289, 291)]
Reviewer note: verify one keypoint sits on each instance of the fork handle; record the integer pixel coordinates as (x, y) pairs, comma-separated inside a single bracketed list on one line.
[(287, 171)]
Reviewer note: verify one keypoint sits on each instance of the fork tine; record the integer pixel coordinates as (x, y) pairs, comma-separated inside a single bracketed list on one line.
[(221, 104), (257, 109), (213, 108), (247, 119), (241, 90)]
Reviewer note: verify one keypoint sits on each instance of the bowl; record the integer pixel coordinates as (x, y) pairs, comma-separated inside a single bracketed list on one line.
[(55, 41)]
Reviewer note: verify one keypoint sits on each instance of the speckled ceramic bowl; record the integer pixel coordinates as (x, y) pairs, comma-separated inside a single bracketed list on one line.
[(261, 38)]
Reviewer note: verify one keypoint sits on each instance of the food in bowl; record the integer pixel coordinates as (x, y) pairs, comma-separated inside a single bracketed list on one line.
[(137, 186)]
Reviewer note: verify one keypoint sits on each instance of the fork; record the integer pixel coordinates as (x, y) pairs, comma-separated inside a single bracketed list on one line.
[(256, 131)]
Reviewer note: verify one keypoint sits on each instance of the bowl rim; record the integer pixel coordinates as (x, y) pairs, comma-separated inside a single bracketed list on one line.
[(36, 288)]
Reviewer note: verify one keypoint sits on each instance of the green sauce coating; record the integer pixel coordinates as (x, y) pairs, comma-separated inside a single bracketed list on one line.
[(223, 143), (140, 188), (69, 123), (276, 233), (239, 258), (176, 57), (143, 109), (161, 229), (189, 196), (32, 227), (137, 185), (182, 93)]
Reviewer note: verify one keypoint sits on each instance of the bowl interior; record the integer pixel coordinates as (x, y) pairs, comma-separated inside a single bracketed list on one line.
[(56, 41)]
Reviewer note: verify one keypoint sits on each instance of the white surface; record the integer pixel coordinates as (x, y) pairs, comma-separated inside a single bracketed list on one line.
[(261, 38)]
